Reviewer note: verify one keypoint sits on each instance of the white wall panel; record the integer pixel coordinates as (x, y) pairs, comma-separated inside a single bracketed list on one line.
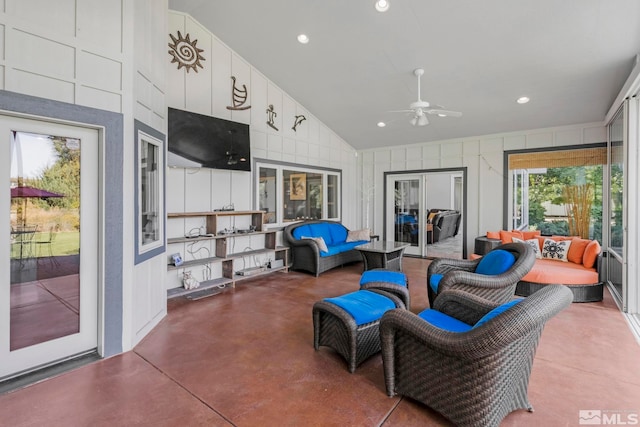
[(41, 55), (288, 116), (37, 85), (539, 140), (241, 70), (302, 130), (100, 72), (2, 37), (274, 97), (314, 153), (594, 134), (197, 184), (314, 129), (176, 86), (491, 145), (220, 83), (97, 18), (568, 137), (42, 13), (258, 101), (515, 142), (175, 186), (97, 98), (198, 100)]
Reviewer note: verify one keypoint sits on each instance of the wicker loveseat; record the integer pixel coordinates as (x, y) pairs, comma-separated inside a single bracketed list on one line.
[(306, 251)]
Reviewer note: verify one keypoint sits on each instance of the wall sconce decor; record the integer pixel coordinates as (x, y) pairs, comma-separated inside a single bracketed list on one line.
[(238, 96), (299, 119), (185, 52), (271, 115)]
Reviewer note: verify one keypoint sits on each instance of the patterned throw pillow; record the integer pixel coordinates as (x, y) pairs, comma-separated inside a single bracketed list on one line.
[(556, 250), (358, 235), (531, 242)]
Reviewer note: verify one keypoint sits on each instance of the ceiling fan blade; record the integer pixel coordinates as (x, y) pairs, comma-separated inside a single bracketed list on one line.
[(422, 120), (446, 113), (400, 111)]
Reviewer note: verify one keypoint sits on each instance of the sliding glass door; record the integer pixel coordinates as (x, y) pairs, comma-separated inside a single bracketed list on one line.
[(406, 212)]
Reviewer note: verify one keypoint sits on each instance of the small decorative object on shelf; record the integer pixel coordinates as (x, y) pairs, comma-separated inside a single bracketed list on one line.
[(238, 97), (189, 282), (177, 259), (299, 119), (185, 52), (271, 115)]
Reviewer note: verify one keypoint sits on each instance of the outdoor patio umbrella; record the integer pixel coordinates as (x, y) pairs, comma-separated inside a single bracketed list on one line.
[(27, 192)]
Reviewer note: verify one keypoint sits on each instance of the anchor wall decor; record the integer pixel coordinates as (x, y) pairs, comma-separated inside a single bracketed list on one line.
[(185, 52), (299, 119), (271, 115), (238, 96)]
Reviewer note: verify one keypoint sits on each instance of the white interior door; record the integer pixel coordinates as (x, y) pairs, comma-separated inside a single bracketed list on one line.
[(406, 212), (49, 262)]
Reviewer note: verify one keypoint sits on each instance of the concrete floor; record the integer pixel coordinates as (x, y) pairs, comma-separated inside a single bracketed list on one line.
[(245, 357)]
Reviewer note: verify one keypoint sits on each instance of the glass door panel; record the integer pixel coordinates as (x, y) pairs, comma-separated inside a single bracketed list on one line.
[(406, 213), (615, 250), (49, 285)]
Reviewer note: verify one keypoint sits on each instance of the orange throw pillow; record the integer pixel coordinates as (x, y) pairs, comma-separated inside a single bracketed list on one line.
[(576, 250), (591, 254), (493, 234), (528, 235), (506, 236)]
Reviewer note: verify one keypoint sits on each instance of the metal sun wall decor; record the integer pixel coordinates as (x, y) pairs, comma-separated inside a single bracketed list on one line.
[(299, 119), (185, 52), (271, 115), (238, 96)]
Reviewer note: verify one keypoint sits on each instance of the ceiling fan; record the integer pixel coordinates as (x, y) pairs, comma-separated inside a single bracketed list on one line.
[(421, 108)]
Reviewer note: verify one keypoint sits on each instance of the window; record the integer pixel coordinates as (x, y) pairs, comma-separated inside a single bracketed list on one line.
[(290, 193), (558, 192), (149, 193)]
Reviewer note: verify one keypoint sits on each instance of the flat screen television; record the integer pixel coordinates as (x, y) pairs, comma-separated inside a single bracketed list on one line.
[(197, 140)]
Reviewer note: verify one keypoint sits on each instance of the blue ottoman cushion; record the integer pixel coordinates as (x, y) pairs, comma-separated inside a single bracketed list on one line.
[(363, 306), (383, 276)]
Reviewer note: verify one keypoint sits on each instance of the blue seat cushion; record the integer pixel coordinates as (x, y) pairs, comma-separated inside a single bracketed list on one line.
[(443, 321), (496, 311), (496, 262), (338, 233), (331, 233), (434, 282), (383, 276), (363, 306), (341, 247)]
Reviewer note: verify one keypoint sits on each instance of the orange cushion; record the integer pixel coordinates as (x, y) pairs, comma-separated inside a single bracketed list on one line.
[(551, 271), (506, 236), (493, 234), (591, 253), (576, 250), (528, 235)]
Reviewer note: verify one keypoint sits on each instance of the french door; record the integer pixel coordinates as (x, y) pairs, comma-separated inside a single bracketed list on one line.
[(406, 212), (49, 259)]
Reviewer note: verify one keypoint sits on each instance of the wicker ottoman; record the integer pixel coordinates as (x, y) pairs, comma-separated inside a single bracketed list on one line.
[(394, 282), (349, 323)]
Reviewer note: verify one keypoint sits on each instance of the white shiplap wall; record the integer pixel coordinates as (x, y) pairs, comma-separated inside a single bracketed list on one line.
[(108, 55), (481, 155), (209, 92)]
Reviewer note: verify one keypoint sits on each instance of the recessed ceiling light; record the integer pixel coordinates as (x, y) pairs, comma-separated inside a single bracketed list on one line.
[(382, 5), (442, 115), (523, 100), (302, 38), (381, 124)]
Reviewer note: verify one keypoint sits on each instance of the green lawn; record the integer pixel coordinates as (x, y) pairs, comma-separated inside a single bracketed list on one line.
[(64, 243)]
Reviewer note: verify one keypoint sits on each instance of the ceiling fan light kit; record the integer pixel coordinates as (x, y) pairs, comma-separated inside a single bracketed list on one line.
[(421, 108), (382, 5)]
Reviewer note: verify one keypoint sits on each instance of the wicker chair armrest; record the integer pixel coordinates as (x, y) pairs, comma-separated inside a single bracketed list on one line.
[(464, 306), (305, 243), (526, 317), (444, 265)]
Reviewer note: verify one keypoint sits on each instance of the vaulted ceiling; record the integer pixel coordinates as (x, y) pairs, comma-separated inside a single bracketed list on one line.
[(570, 57)]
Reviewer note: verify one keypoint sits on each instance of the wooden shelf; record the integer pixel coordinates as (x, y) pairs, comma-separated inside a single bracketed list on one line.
[(229, 278)]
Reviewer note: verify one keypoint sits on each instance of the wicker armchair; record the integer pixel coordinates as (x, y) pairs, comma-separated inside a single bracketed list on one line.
[(460, 274), (473, 378)]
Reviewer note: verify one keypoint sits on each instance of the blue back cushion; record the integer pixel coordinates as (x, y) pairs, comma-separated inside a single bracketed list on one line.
[(316, 230), (499, 309), (443, 321), (363, 306), (495, 262), (338, 233), (383, 276), (434, 282)]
